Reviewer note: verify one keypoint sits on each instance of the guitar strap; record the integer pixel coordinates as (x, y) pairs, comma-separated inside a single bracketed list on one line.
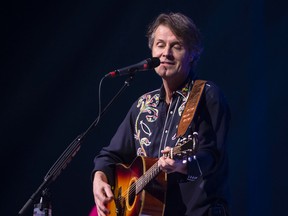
[(191, 106)]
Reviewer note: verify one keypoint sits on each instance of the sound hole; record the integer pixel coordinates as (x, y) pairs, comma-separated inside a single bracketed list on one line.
[(132, 193)]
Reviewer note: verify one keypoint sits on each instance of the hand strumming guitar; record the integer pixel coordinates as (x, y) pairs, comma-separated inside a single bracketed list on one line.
[(102, 193), (102, 190)]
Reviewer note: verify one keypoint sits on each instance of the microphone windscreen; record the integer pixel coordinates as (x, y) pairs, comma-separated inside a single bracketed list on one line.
[(153, 62)]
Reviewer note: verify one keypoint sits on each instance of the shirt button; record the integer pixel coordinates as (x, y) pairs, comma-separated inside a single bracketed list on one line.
[(166, 131), (171, 112)]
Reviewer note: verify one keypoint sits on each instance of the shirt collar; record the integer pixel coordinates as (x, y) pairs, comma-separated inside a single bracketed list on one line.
[(183, 90)]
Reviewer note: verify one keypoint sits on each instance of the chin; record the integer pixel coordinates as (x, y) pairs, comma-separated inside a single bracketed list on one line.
[(163, 72)]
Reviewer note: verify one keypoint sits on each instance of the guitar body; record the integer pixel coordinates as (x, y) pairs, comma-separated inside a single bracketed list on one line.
[(132, 200)]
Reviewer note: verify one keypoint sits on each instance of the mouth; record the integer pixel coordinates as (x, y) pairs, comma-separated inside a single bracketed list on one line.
[(167, 63)]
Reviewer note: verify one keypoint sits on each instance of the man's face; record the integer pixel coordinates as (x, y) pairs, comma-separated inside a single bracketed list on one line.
[(173, 54)]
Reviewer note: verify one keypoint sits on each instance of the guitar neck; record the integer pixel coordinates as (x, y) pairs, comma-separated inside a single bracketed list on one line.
[(149, 175), (153, 171)]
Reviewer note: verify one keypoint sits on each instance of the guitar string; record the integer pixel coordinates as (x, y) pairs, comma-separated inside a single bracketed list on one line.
[(150, 174), (140, 181)]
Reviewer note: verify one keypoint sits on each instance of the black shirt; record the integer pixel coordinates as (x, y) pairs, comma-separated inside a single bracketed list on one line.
[(151, 125)]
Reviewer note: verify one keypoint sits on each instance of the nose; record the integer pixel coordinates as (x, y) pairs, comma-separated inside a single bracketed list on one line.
[(167, 52)]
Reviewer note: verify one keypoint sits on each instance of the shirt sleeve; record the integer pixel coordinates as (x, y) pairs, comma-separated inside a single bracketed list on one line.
[(120, 150), (212, 123)]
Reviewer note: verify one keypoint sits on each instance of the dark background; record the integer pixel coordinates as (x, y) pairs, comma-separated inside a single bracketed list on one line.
[(54, 54)]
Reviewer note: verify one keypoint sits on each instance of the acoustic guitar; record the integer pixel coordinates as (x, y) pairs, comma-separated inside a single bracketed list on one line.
[(140, 188)]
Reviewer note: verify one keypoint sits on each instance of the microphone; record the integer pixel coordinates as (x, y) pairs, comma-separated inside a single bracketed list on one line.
[(147, 64)]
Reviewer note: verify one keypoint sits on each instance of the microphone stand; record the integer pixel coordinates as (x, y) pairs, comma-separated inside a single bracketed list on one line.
[(66, 158)]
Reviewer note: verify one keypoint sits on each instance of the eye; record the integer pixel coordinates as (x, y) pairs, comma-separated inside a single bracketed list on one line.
[(160, 44), (177, 46)]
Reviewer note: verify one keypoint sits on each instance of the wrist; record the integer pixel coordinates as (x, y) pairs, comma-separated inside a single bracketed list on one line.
[(100, 175)]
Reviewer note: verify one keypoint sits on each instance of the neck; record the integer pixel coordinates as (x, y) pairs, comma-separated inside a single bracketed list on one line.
[(170, 87), (168, 96)]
